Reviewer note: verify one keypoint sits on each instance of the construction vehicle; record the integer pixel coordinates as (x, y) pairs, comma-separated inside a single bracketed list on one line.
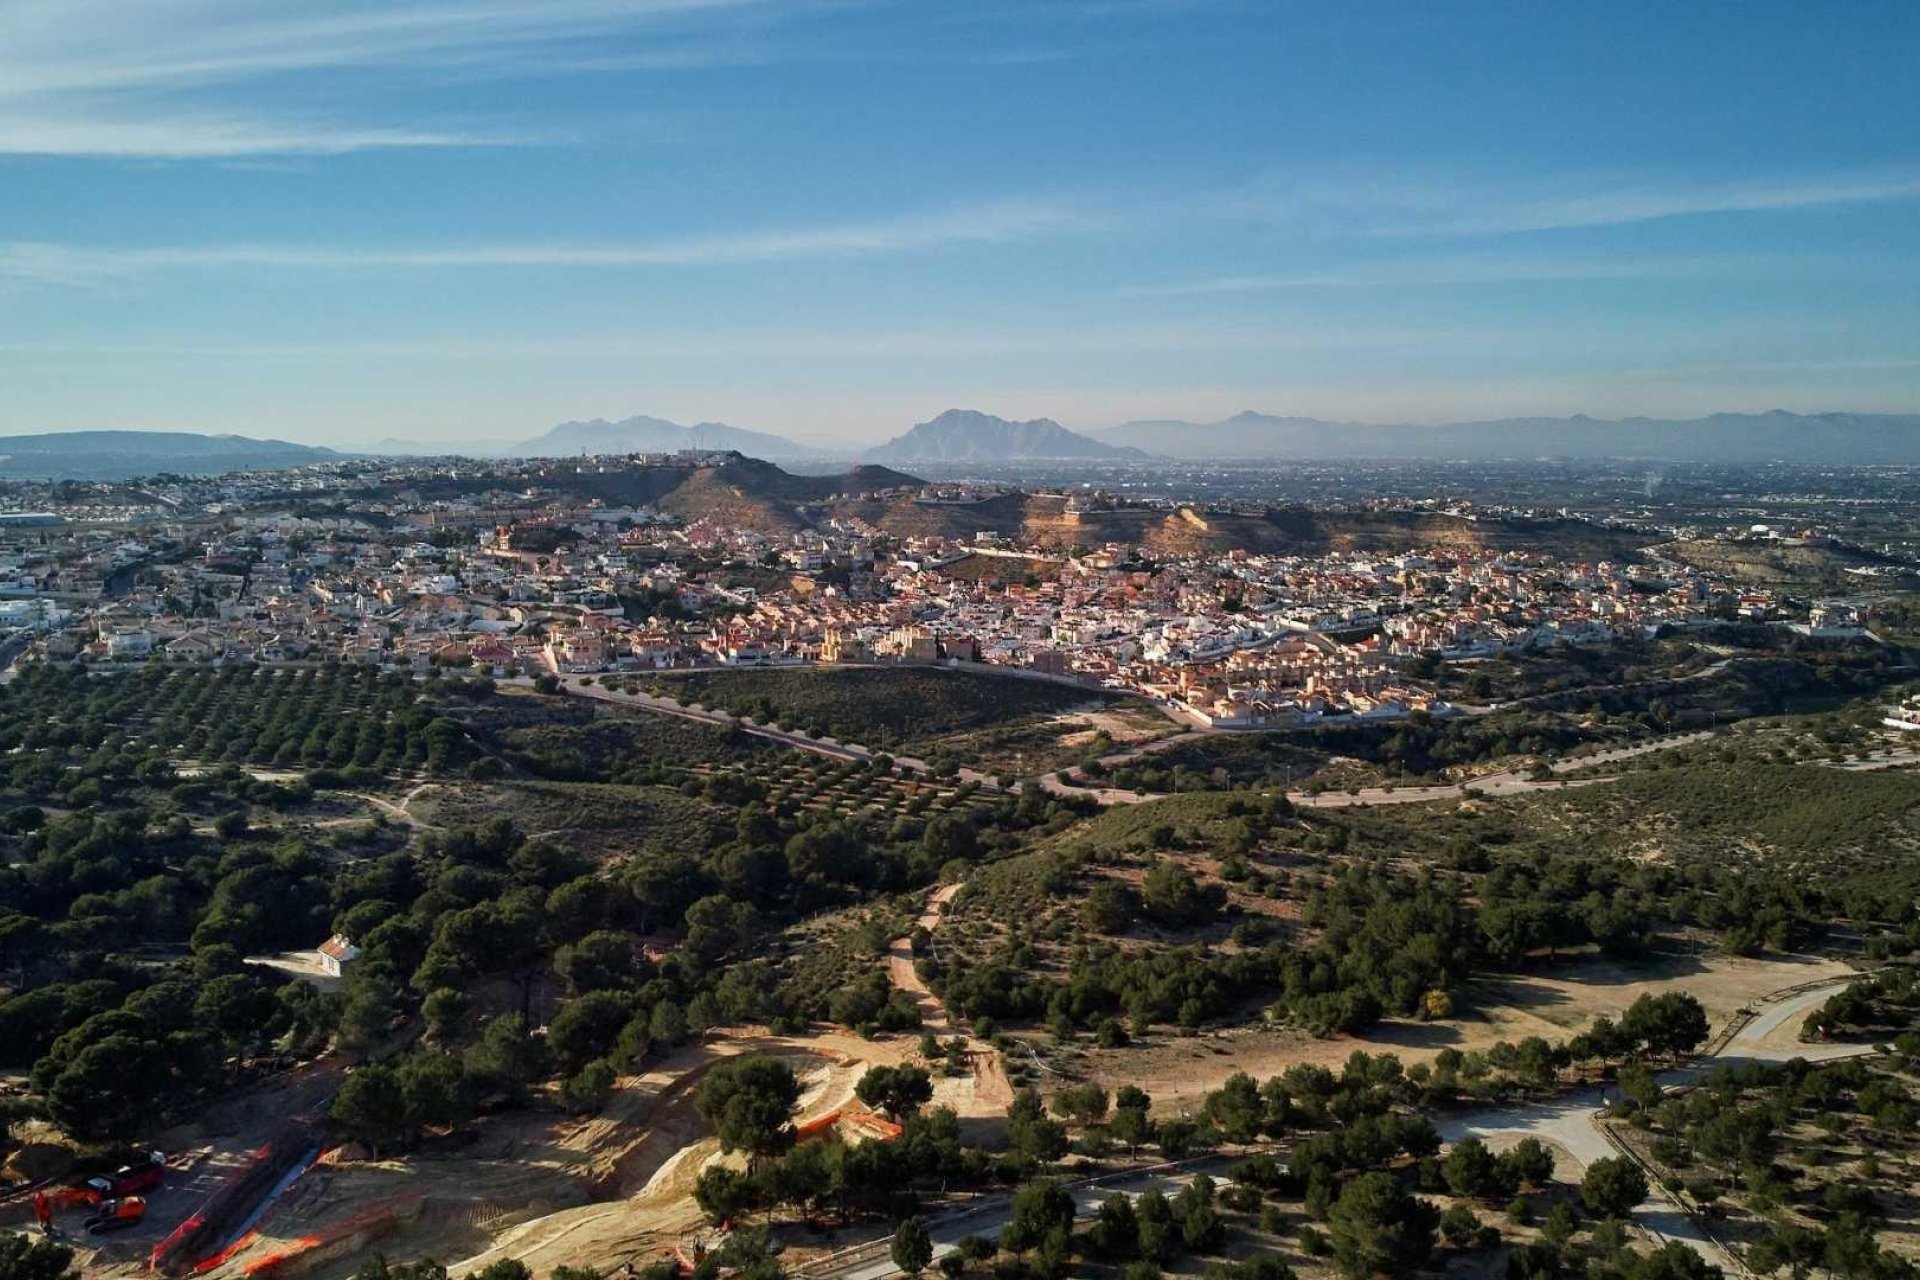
[(131, 1179), (112, 1199), (48, 1203), (116, 1215)]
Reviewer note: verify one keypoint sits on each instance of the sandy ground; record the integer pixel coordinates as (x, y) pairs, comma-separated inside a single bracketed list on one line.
[(202, 1155), (299, 964), (989, 1091), (933, 1014), (1178, 1070), (1123, 729), (598, 1191)]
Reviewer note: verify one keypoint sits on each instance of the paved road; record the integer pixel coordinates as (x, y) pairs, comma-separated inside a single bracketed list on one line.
[(989, 1215), (1569, 1121), (1506, 783)]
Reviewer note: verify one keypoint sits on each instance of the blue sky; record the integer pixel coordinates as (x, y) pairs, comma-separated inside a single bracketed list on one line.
[(464, 220)]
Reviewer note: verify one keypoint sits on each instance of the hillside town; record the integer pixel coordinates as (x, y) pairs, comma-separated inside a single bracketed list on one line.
[(536, 580)]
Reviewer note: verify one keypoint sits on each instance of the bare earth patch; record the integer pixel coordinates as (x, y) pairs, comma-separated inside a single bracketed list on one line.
[(1179, 1070)]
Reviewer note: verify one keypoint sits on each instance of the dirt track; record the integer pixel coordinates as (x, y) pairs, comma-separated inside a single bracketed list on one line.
[(549, 1189), (992, 1091)]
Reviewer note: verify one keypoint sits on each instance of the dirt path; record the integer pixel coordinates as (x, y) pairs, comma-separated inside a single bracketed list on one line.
[(1507, 782), (403, 810), (992, 1091), (550, 1189), (900, 970)]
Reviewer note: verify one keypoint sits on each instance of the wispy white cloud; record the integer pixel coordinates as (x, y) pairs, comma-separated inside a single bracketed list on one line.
[(1619, 205), (204, 136), (1398, 204), (930, 344), (981, 224), (179, 79), (1485, 269), (93, 45)]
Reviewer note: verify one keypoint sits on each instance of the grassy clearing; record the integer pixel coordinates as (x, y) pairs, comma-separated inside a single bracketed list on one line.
[(601, 821), (1805, 816), (902, 708)]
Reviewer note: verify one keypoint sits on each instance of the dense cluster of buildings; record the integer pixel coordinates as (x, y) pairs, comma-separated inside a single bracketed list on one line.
[(529, 581)]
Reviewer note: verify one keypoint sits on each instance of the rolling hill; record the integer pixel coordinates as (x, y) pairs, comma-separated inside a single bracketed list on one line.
[(1047, 521), (642, 434), (121, 455)]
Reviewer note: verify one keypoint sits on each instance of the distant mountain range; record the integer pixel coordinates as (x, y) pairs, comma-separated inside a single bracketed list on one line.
[(122, 455), (1843, 439), (967, 435), (642, 434)]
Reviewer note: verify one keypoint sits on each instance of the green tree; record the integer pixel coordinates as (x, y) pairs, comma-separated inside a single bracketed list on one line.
[(371, 1108), (1471, 1170), (588, 1088), (436, 1090), (1084, 1104), (1612, 1187), (1460, 1225), (506, 1057), (24, 1258), (504, 1269), (378, 1268), (1039, 1209), (749, 1102), (897, 1091), (1670, 1024), (446, 1010), (912, 1248), (1378, 1227), (723, 1194), (1530, 1162)]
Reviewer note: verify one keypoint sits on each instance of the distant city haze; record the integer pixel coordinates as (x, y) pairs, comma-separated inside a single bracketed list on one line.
[(456, 223)]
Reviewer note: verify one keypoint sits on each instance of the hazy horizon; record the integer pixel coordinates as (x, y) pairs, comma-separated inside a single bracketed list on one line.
[(855, 445), (463, 223)]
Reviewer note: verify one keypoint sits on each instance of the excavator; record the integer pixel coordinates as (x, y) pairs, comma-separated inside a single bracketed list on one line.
[(108, 1204), (116, 1215)]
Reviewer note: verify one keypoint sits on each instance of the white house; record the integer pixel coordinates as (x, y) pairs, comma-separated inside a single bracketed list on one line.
[(336, 953)]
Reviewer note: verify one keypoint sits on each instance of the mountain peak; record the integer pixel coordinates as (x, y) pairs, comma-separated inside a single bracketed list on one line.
[(970, 435), (644, 434)]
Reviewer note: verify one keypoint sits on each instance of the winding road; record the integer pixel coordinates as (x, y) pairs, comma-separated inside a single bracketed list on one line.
[(1507, 782), (1571, 1121)]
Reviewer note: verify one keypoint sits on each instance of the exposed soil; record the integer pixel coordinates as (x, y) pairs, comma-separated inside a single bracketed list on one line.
[(1178, 1070)]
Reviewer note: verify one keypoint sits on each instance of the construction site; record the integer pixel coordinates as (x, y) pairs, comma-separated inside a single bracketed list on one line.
[(538, 1186)]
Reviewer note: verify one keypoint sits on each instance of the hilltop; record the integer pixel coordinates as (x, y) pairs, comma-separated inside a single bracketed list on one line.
[(122, 455), (1045, 520), (967, 435), (750, 493), (643, 434)]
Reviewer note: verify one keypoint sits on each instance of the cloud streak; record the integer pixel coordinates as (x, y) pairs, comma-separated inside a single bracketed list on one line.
[(976, 225), (207, 79), (1603, 203), (1480, 270), (205, 136)]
